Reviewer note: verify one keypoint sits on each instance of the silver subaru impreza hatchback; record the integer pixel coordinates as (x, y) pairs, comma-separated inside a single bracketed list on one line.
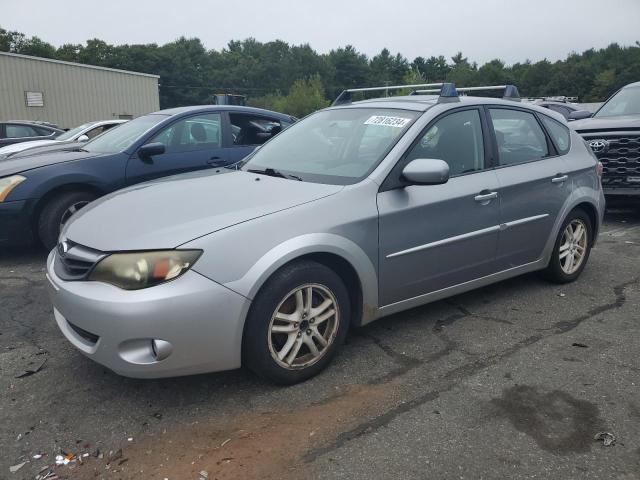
[(358, 211)]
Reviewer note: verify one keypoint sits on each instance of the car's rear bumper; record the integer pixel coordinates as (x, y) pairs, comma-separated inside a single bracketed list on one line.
[(15, 223), (200, 320)]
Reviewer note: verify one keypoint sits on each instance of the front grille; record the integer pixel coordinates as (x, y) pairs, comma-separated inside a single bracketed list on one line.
[(620, 158), (75, 262)]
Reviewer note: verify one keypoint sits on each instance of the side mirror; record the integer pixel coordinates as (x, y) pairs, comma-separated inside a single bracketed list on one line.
[(147, 151), (82, 139), (579, 115), (426, 171)]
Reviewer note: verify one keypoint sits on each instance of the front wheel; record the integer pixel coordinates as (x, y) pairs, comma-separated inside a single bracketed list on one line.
[(57, 212), (572, 248), (296, 323)]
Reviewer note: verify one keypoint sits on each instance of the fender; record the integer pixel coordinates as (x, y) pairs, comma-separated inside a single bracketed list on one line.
[(254, 279)]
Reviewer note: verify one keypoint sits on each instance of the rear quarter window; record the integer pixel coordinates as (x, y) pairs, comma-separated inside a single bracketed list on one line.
[(559, 134)]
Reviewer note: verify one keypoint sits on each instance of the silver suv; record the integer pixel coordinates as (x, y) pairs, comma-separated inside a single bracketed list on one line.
[(358, 211)]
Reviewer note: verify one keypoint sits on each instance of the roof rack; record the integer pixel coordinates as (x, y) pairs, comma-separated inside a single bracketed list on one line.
[(345, 96), (510, 91), (447, 91), (554, 98)]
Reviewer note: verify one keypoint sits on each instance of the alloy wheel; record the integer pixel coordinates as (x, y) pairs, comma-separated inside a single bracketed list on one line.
[(71, 210), (573, 246), (303, 326)]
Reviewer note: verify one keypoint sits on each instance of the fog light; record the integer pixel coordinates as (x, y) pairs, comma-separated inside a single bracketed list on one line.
[(161, 349)]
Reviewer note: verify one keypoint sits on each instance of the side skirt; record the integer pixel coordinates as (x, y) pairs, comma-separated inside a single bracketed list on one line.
[(457, 289)]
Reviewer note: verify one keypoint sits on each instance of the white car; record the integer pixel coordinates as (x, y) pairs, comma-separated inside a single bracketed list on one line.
[(83, 133)]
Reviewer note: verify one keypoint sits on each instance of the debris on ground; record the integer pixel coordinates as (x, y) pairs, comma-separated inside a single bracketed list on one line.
[(15, 468), (581, 345), (204, 475), (115, 456), (65, 458), (607, 438), (562, 294), (225, 442), (31, 371)]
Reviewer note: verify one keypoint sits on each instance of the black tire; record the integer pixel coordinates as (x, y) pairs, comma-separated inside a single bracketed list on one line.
[(256, 342), (554, 271), (54, 214)]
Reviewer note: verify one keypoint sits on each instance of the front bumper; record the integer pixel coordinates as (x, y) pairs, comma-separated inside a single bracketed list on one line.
[(201, 320), (622, 192), (15, 223)]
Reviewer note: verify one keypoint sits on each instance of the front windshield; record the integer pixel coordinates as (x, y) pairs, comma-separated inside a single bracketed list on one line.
[(625, 102), (333, 146), (120, 139), (69, 134)]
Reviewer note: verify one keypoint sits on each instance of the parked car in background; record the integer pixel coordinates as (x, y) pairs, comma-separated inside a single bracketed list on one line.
[(613, 132), (38, 193), (16, 131), (80, 134), (563, 107), (357, 211)]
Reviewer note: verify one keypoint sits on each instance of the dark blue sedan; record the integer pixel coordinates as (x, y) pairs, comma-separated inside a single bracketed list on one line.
[(39, 193)]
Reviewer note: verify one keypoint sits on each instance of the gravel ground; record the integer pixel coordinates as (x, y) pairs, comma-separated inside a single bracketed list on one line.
[(509, 381)]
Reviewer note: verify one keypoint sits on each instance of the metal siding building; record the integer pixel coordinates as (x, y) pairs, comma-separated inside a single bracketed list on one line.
[(72, 93)]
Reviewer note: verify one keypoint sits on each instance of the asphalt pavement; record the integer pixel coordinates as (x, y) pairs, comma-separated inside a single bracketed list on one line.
[(514, 380)]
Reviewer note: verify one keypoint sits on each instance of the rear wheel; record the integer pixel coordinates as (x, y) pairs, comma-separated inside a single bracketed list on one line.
[(57, 212), (296, 323), (572, 248)]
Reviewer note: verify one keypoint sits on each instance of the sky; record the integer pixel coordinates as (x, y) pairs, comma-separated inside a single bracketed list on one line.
[(511, 30)]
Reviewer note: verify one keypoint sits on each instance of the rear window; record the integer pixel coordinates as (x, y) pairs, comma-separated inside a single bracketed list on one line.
[(559, 134)]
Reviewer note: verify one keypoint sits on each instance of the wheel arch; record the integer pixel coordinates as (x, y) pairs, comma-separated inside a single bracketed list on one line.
[(58, 190), (584, 201), (338, 253)]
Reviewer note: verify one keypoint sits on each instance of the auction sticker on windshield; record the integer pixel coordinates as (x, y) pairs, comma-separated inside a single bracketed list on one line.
[(385, 121)]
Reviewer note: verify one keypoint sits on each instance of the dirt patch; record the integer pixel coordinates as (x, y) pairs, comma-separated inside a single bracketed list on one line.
[(256, 445)]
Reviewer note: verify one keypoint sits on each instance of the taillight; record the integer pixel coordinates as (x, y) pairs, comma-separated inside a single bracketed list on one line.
[(599, 169)]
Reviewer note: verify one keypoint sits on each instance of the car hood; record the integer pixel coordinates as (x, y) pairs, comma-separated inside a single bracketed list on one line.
[(169, 212), (18, 147), (12, 165), (622, 122)]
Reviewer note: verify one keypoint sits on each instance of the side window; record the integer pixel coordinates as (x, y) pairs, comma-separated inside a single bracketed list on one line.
[(199, 132), (19, 131), (518, 135), (456, 139), (253, 130), (559, 133), (94, 132)]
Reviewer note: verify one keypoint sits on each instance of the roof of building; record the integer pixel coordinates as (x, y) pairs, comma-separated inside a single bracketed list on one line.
[(81, 65)]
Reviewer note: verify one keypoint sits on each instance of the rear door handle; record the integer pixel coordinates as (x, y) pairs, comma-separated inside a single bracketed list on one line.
[(485, 197), (560, 179)]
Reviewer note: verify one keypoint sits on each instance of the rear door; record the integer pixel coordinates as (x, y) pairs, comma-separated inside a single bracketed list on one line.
[(534, 184), (437, 236), (191, 143)]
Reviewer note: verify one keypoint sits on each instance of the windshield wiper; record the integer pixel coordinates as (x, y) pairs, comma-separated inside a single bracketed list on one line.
[(272, 172)]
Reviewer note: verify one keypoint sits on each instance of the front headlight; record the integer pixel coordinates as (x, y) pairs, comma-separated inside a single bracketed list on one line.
[(9, 183), (133, 271)]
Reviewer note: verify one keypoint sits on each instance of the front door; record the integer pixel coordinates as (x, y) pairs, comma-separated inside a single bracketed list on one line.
[(436, 236), (191, 143)]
